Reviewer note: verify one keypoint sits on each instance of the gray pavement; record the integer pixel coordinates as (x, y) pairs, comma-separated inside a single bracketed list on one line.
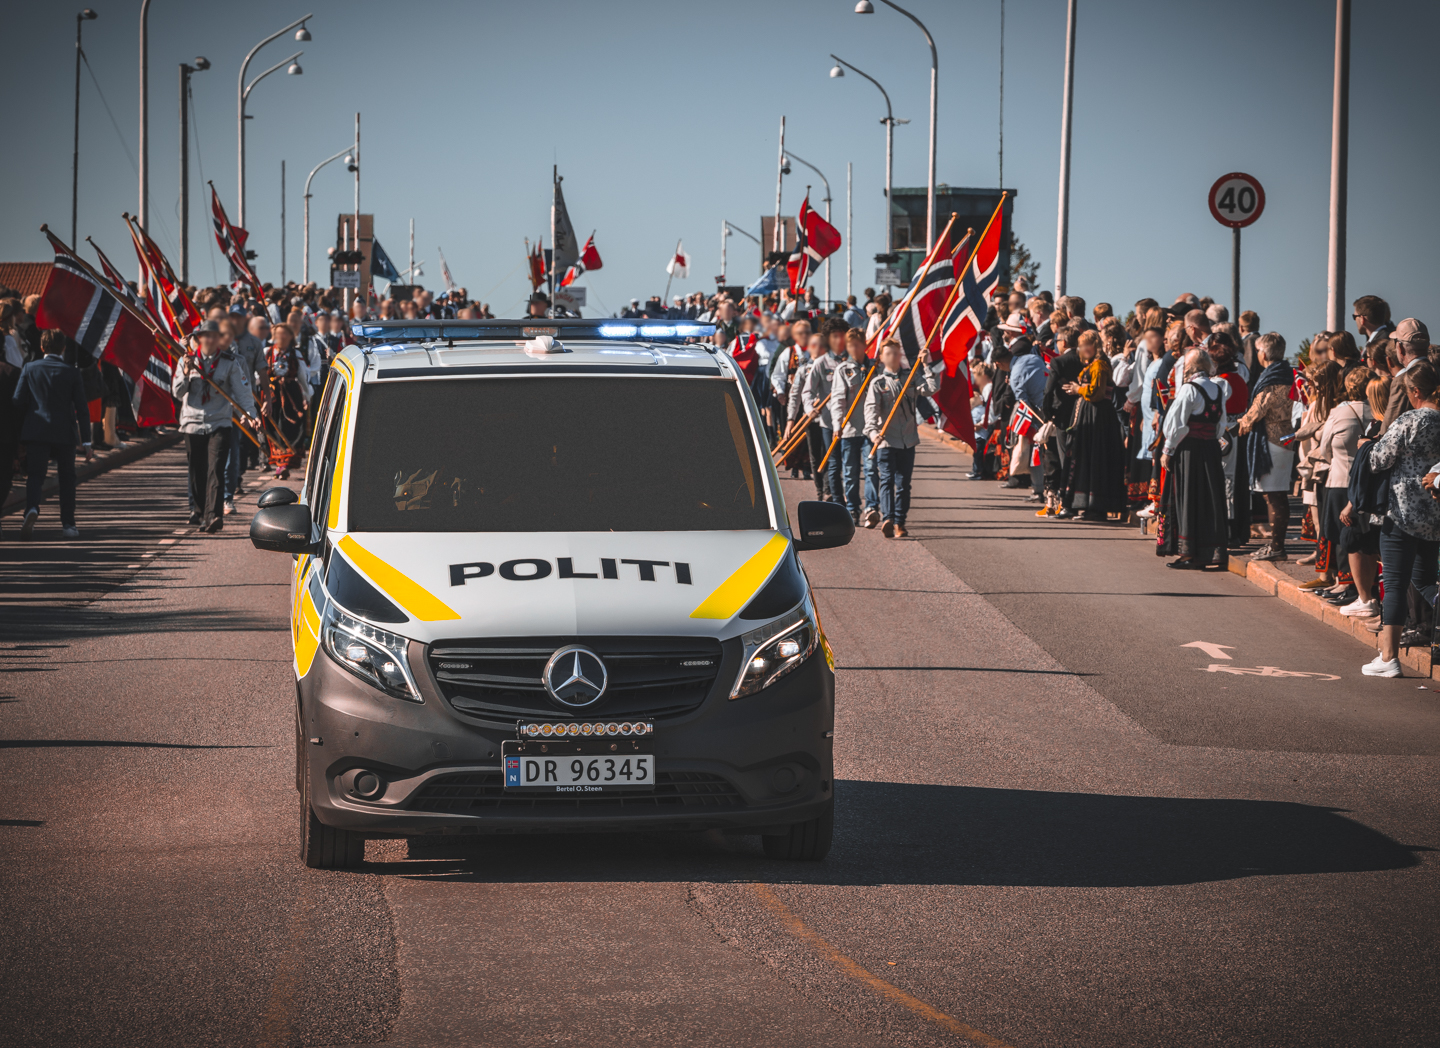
[(1056, 825)]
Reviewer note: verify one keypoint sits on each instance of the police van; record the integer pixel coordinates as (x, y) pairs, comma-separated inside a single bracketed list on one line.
[(545, 582)]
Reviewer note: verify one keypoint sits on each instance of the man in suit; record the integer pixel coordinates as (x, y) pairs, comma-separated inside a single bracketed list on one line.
[(50, 399)]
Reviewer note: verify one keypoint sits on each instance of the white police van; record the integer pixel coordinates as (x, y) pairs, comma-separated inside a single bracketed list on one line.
[(544, 581)]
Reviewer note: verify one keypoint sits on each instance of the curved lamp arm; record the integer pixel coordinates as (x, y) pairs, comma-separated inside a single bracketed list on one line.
[(889, 113)]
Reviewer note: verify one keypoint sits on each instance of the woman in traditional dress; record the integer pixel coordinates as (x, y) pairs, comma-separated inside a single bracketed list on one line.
[(1193, 522), (286, 385), (1095, 472)]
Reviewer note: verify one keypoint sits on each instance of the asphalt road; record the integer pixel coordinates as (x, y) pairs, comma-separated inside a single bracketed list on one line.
[(1058, 824)]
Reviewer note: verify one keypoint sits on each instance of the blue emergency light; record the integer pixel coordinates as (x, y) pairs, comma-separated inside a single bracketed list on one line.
[(389, 331)]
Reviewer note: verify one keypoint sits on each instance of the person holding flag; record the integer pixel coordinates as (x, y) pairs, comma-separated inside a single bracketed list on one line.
[(848, 387), (890, 407), (205, 419)]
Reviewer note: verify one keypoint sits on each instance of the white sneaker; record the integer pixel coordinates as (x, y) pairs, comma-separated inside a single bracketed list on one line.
[(1378, 667), (1361, 608), (72, 532), (1147, 512), (28, 527), (229, 507)]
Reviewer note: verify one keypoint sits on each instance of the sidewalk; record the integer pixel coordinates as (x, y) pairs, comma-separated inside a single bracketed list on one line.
[(1279, 580)]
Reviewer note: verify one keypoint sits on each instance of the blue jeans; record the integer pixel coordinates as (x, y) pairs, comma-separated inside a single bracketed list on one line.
[(872, 476), (896, 465), (852, 452), (1406, 560), (832, 465)]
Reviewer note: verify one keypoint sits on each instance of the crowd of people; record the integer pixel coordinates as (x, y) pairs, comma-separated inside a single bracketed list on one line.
[(1174, 415)]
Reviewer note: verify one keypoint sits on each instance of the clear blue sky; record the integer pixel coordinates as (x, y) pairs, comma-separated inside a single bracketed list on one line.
[(663, 118)]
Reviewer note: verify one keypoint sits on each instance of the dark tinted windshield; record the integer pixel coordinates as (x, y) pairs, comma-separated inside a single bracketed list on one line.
[(555, 453)]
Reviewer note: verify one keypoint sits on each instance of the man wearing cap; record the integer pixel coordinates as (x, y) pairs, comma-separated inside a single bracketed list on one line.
[(201, 384), (1027, 380), (1411, 341)]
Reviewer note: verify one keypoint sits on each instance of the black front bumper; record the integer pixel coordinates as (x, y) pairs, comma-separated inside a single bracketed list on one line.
[(753, 765)]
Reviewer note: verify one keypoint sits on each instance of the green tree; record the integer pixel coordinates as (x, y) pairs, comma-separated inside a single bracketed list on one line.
[(1022, 265)]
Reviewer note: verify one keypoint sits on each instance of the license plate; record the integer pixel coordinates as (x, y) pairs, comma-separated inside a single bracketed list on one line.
[(581, 767)]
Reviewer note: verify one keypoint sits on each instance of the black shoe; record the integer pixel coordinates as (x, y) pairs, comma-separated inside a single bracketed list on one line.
[(1415, 638), (1345, 596), (1018, 482), (195, 518), (214, 526), (1186, 564)]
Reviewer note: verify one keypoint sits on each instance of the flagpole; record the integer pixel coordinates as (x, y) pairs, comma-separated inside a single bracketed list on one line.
[(775, 238), (666, 297), (849, 219), (554, 209)]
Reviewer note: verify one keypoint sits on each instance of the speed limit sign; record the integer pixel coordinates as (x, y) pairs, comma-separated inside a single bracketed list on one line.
[(1236, 200)]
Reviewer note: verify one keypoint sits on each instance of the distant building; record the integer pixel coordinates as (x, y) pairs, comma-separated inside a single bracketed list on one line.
[(972, 208)]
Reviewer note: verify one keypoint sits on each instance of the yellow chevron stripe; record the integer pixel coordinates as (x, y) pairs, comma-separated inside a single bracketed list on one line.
[(337, 485), (733, 594), (405, 591)]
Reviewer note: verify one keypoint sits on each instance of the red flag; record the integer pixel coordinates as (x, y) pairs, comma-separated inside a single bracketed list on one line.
[(941, 251), (822, 239), (743, 350), (929, 295), (88, 311), (152, 291), (536, 261), (232, 245), (589, 259), (117, 281)]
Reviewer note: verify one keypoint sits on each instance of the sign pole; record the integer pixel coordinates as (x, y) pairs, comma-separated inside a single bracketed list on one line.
[(1235, 276)]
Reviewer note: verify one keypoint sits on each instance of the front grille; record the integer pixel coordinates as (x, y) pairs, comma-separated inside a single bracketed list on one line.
[(650, 676), (469, 793)]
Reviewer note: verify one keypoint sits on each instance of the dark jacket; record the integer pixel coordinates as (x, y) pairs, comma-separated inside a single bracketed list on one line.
[(1369, 490), (1059, 406), (50, 397)]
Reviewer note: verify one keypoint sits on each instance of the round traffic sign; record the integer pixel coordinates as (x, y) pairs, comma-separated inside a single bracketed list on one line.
[(1236, 199)]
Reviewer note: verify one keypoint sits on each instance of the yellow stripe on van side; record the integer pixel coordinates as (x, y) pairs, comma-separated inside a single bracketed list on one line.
[(337, 479), (405, 591), (736, 591)]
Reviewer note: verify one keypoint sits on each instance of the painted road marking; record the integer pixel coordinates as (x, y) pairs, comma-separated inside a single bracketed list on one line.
[(1215, 651), (1264, 671), (798, 928)]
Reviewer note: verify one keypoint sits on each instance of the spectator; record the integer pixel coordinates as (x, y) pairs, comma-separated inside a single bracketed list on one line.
[(1249, 332), (1194, 523), (1094, 484), (1027, 381), (1336, 449), (1409, 345), (54, 416), (1269, 451), (11, 362), (1410, 537), (1372, 317)]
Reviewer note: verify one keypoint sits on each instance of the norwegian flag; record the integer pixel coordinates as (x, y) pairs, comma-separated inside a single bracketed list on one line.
[(152, 291), (929, 295), (116, 280), (79, 303), (589, 259), (232, 245), (816, 240), (743, 350), (187, 317), (1024, 420), (940, 251), (962, 326)]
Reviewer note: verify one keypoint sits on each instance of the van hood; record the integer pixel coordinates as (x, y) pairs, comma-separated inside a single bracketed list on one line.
[(658, 583)]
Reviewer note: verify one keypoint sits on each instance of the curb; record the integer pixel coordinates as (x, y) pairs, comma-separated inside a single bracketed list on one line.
[(102, 463), (1276, 583)]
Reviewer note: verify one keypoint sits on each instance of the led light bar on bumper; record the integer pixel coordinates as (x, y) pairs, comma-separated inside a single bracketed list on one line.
[(372, 654), (776, 648), (573, 729)]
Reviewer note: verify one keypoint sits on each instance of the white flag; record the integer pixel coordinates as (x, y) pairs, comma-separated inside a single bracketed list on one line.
[(445, 271), (679, 264)]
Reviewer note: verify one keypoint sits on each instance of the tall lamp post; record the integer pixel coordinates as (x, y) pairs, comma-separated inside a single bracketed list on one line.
[(1339, 171), (144, 117), (1062, 224), (80, 19), (889, 121), (812, 167), (305, 264), (243, 92), (725, 230), (865, 7), (201, 63)]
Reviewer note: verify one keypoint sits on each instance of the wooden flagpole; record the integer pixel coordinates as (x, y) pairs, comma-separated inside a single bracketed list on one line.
[(792, 439), (165, 342), (939, 319), (915, 283), (859, 396)]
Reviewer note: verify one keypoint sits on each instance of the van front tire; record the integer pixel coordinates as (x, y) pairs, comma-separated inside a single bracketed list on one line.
[(807, 841), (324, 847)]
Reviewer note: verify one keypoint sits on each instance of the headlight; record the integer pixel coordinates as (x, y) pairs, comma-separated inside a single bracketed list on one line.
[(373, 655), (775, 649)]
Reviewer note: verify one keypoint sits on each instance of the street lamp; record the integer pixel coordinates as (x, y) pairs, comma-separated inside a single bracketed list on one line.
[(243, 92), (201, 63), (84, 16), (305, 265), (725, 230), (812, 167), (889, 121), (864, 7)]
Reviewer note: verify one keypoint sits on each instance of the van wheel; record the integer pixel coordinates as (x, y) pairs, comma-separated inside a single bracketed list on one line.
[(324, 847), (807, 841)]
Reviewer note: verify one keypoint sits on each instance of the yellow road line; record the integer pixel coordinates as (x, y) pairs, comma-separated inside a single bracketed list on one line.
[(798, 928)]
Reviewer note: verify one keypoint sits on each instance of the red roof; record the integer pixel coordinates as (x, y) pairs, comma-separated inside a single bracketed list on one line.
[(27, 278)]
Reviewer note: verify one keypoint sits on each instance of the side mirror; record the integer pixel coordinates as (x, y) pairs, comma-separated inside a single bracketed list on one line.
[(277, 496), (282, 529), (823, 525)]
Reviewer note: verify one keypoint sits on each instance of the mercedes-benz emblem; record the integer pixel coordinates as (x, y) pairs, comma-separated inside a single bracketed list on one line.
[(575, 676)]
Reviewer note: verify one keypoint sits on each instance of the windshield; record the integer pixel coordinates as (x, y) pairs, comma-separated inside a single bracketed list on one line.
[(555, 453)]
